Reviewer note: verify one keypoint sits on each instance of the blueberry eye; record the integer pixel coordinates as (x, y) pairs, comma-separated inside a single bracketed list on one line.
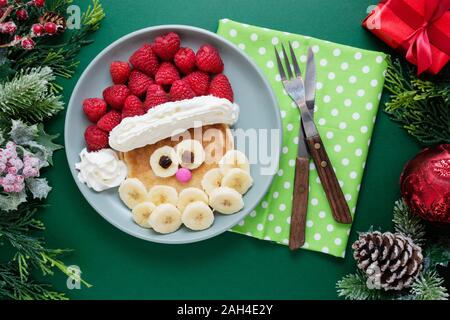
[(165, 162)]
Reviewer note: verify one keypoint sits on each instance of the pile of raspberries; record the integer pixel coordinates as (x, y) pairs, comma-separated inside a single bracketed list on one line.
[(156, 73)]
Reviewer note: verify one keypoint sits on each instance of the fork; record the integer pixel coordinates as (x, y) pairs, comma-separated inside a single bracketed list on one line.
[(293, 83)]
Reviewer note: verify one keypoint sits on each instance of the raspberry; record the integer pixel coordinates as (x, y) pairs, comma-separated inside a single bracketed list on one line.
[(208, 59), (109, 120), (115, 95), (138, 83), (181, 90), (132, 107), (185, 60), (166, 46), (199, 82), (96, 138), (167, 74), (94, 108), (155, 96), (120, 71), (220, 87), (145, 60)]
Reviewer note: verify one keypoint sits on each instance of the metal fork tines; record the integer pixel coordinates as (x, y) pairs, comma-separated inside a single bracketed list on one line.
[(293, 83)]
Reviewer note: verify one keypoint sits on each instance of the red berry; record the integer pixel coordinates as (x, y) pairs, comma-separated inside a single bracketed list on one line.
[(199, 82), (22, 14), (166, 74), (39, 3), (3, 3), (208, 59), (94, 108), (8, 27), (138, 83), (120, 71), (27, 43), (96, 138), (185, 60), (115, 95), (181, 90), (145, 60), (109, 120), (155, 96), (50, 27), (132, 107), (166, 46), (220, 87), (37, 29)]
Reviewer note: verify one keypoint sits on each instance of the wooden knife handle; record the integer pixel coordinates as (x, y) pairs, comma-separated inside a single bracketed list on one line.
[(330, 183), (299, 203)]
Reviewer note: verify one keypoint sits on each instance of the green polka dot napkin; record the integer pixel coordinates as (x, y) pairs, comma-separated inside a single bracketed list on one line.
[(349, 85)]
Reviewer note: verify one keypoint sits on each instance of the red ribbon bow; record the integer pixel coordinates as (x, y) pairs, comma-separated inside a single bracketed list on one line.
[(418, 43)]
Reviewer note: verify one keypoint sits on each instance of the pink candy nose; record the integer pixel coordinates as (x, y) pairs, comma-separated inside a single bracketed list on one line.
[(183, 175)]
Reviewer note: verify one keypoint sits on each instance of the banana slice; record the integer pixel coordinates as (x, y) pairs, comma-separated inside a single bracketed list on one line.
[(238, 180), (166, 218), (226, 200), (190, 195), (142, 212), (132, 192), (233, 159), (212, 180), (197, 216), (164, 162), (160, 194), (190, 154)]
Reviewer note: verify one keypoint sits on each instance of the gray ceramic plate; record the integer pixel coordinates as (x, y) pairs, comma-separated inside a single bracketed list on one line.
[(252, 93)]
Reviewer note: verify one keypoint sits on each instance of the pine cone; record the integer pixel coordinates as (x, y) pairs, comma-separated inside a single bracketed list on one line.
[(57, 19), (391, 261)]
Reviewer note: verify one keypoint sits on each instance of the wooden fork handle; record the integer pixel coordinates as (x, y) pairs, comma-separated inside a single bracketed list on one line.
[(330, 183), (299, 203)]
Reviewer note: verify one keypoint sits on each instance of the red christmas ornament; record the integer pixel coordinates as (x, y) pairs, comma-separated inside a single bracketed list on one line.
[(27, 43), (39, 3), (3, 3), (425, 184)]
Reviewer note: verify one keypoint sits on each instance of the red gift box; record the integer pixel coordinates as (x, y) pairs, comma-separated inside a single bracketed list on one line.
[(420, 29)]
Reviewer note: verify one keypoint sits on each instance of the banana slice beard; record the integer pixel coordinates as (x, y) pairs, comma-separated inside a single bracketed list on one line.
[(142, 212), (238, 180), (226, 200), (197, 216), (234, 159), (166, 218), (190, 154), (212, 180), (164, 162), (190, 195), (161, 194), (132, 192)]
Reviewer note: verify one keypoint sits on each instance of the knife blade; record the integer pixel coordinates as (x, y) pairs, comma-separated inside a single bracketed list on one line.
[(310, 82)]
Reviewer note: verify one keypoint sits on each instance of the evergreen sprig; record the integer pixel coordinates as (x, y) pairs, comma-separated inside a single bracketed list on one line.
[(407, 223), (354, 287), (421, 107), (61, 56), (29, 96), (428, 286)]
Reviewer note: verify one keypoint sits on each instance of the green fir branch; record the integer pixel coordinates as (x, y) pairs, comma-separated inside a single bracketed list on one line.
[(354, 287), (428, 286), (407, 223), (62, 57), (421, 107), (28, 96)]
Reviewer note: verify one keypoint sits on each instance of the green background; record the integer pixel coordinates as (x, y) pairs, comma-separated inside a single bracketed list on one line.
[(230, 266)]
